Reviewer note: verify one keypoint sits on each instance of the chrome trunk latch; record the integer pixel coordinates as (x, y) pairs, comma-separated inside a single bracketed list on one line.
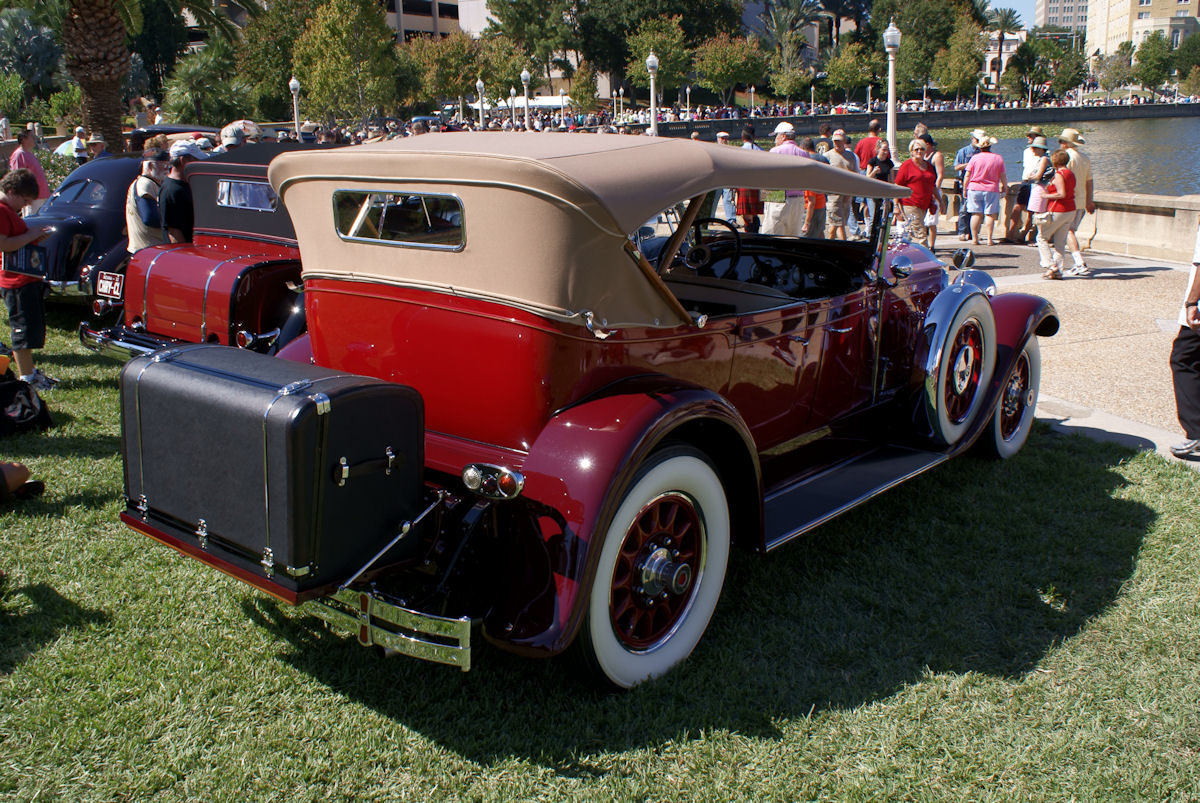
[(143, 506), (268, 562), (202, 533)]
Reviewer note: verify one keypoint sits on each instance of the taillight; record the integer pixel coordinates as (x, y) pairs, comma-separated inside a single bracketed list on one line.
[(493, 482)]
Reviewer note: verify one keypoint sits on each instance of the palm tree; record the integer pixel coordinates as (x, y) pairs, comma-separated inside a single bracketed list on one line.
[(783, 30), (1003, 21), (94, 36)]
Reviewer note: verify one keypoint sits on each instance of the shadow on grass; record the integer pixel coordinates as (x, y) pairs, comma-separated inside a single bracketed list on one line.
[(25, 630), (977, 567)]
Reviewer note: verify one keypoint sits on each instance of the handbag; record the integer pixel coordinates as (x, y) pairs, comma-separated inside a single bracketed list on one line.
[(1037, 198), (931, 217)]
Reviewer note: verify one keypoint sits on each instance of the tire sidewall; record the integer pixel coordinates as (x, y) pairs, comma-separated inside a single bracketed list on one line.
[(1006, 448), (975, 307), (679, 469)]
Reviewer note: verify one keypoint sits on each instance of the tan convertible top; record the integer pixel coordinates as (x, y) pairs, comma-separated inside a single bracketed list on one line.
[(545, 216)]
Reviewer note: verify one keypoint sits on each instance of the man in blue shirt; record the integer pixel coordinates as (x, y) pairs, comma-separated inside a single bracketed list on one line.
[(960, 165)]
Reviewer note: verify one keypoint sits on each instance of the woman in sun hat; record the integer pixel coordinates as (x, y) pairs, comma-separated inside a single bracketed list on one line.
[(986, 183)]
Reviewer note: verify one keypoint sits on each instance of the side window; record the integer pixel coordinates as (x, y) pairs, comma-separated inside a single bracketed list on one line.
[(256, 196), (93, 194), (419, 221)]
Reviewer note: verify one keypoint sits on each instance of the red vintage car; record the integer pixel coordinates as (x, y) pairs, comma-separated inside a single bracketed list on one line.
[(521, 409), (238, 281)]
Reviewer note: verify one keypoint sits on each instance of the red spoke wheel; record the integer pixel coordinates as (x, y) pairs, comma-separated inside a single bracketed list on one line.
[(1014, 415), (660, 570), (965, 368)]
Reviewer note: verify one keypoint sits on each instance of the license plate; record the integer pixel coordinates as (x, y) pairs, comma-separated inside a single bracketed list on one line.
[(110, 285)]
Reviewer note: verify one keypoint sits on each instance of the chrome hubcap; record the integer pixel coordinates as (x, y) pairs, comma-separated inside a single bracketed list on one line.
[(964, 364), (658, 573)]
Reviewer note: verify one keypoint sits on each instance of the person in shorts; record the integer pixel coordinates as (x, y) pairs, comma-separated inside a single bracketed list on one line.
[(24, 295)]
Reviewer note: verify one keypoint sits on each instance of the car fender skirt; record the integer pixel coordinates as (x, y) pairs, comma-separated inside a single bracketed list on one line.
[(577, 472)]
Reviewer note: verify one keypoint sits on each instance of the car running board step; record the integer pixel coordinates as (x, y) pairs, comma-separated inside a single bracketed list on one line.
[(798, 508)]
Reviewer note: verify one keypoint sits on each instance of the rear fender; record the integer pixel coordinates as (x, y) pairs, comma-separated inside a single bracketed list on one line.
[(575, 477), (297, 350)]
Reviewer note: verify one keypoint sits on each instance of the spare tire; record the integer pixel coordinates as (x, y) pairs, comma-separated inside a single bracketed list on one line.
[(962, 358)]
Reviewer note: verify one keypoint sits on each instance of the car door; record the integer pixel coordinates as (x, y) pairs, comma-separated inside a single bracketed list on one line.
[(842, 324)]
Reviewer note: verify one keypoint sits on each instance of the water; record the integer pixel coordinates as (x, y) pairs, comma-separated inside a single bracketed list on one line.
[(1146, 156)]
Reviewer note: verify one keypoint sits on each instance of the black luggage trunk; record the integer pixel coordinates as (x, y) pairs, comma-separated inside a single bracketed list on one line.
[(290, 473)]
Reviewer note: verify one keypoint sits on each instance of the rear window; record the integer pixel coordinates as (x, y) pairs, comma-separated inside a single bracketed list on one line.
[(86, 193), (257, 196), (415, 220)]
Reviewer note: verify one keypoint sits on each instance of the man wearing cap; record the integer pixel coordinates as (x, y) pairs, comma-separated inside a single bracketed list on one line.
[(961, 160), (142, 219), (1034, 163), (837, 207), (97, 148), (1081, 167), (76, 146), (175, 198), (24, 157), (791, 219), (728, 207)]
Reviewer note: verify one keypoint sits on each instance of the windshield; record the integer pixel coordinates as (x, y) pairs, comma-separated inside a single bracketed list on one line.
[(85, 192)]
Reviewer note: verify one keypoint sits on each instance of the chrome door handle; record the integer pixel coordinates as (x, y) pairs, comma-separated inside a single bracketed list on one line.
[(840, 331), (803, 341)]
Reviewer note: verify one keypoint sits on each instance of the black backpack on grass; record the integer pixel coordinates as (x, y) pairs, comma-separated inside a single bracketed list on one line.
[(23, 410)]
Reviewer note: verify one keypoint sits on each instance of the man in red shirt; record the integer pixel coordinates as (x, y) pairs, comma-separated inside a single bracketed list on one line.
[(23, 294), (865, 149)]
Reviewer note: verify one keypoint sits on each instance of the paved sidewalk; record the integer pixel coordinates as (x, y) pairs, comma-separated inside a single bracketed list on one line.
[(1106, 374)]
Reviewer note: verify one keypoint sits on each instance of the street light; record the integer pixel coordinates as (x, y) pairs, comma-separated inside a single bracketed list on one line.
[(562, 101), (751, 101), (652, 68), (688, 89), (891, 43), (620, 102), (294, 88), (479, 91), (525, 83), (512, 108)]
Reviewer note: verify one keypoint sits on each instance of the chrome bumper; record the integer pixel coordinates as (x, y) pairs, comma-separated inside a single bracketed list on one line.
[(120, 343), (74, 289), (420, 635)]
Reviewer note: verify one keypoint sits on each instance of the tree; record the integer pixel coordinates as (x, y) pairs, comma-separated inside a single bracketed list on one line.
[(29, 50), (447, 67), (347, 54), (162, 40), (603, 26), (725, 61), (1025, 69), (1187, 55), (782, 34), (664, 38), (849, 68), (926, 26), (792, 83), (67, 106), (501, 62), (1154, 59), (204, 88), (265, 55), (956, 67), (1003, 21), (1191, 84), (537, 27), (1113, 72), (12, 93), (583, 87)]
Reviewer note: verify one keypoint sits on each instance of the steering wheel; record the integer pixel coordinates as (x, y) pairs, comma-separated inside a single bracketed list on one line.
[(700, 256)]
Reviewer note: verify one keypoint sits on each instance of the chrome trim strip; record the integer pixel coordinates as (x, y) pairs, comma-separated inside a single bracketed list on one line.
[(797, 442), (207, 282), (778, 542), (440, 639), (146, 282)]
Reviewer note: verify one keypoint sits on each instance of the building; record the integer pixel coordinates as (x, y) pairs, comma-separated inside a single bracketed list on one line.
[(1069, 14), (993, 58), (1111, 22), (409, 18)]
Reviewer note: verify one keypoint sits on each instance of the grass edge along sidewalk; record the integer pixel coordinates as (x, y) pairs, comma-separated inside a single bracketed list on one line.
[(992, 631)]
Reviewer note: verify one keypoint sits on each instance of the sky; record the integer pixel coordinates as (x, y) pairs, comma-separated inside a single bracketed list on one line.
[(1022, 7)]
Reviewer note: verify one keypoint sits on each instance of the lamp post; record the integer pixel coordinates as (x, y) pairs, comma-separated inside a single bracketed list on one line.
[(688, 90), (652, 68), (525, 83), (479, 91), (976, 94), (812, 99), (562, 103), (868, 98), (620, 102), (512, 108), (294, 88), (751, 100), (891, 43)]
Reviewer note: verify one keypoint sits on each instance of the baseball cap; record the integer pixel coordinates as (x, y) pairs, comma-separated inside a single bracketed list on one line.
[(185, 148), (232, 136), (784, 128), (80, 130)]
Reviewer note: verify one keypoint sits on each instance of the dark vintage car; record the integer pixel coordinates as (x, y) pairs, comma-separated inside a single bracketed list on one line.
[(237, 282), (506, 418)]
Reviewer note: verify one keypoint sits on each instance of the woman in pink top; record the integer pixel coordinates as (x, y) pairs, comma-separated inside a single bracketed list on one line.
[(985, 182)]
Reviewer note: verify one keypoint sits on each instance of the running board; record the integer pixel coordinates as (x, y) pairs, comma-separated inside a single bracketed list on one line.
[(798, 508)]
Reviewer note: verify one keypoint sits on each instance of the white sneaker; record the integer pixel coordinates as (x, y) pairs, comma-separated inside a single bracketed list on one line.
[(39, 380)]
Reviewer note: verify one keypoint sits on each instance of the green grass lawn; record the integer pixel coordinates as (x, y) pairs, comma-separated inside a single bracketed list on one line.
[(1015, 631)]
